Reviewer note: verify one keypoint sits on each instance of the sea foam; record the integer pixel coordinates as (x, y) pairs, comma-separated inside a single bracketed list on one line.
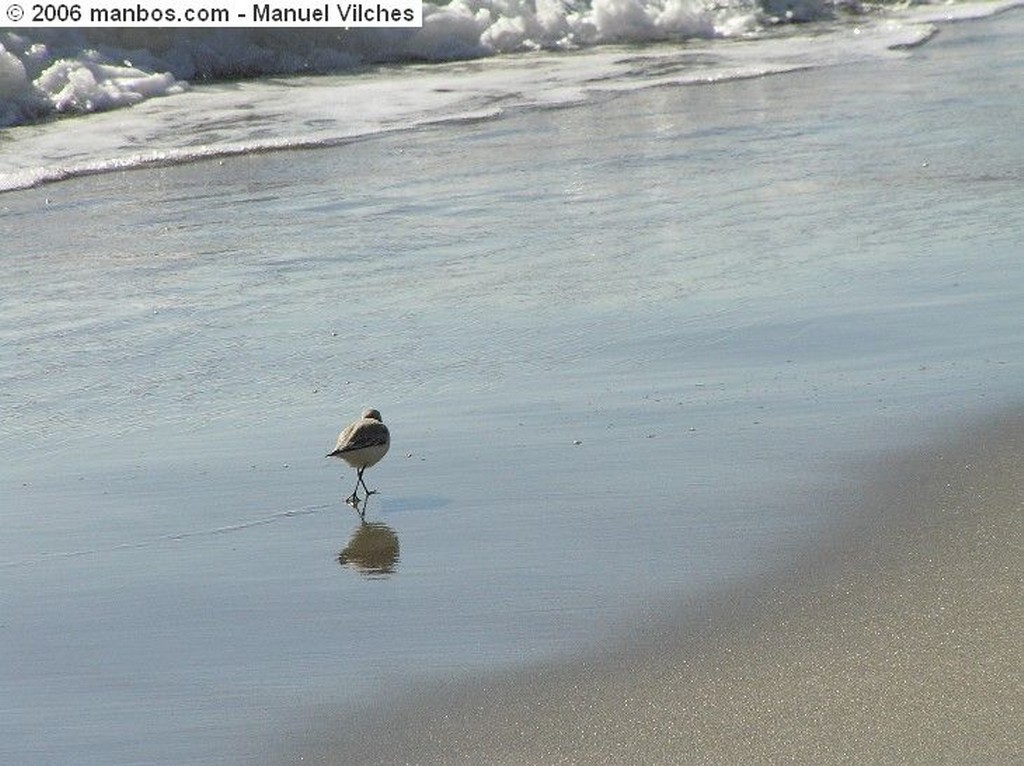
[(345, 85), (60, 71), (44, 72)]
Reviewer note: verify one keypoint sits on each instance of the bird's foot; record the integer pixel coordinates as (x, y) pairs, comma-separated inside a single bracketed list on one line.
[(353, 500)]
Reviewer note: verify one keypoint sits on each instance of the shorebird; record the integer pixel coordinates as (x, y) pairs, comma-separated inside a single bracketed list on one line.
[(362, 444)]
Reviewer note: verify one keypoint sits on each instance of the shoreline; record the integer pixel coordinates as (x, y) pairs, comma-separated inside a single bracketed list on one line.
[(894, 646), (760, 308)]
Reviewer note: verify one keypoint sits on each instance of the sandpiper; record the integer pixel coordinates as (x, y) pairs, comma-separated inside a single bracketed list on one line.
[(362, 444)]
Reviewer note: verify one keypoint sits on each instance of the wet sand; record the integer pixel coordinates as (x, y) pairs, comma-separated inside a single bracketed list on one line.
[(900, 646)]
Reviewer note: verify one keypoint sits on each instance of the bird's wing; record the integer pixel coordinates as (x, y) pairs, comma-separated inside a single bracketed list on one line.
[(360, 435)]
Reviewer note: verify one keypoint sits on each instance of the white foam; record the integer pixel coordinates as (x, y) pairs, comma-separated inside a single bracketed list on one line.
[(258, 115), (85, 70), (86, 86)]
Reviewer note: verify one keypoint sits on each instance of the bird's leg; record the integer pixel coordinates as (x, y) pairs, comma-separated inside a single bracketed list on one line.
[(353, 499), (360, 480)]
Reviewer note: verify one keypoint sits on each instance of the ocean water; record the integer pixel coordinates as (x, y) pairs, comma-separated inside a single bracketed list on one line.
[(168, 96), (44, 72), (631, 349)]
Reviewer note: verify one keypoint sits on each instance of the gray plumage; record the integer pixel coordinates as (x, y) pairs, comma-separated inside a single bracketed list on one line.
[(362, 444)]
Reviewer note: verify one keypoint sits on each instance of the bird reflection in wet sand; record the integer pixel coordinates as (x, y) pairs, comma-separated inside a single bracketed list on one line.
[(362, 444), (372, 550)]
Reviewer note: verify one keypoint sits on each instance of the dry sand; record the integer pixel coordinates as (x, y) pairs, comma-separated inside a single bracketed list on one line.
[(902, 644)]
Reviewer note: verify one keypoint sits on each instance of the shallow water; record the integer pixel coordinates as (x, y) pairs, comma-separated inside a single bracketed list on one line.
[(730, 296)]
